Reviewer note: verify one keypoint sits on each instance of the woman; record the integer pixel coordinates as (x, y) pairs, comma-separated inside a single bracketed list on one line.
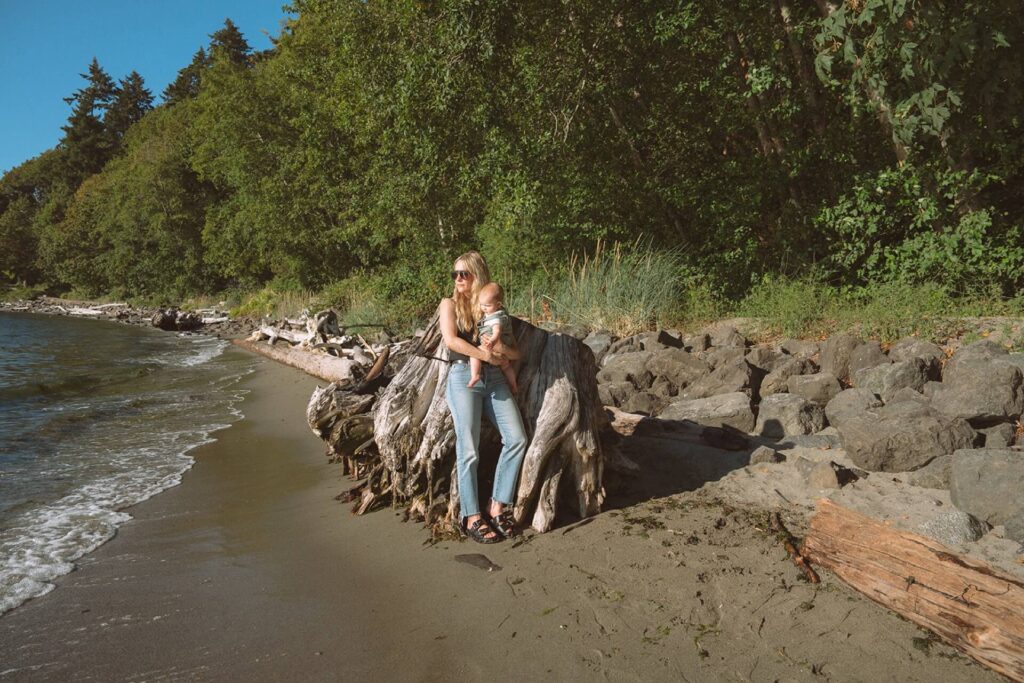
[(458, 317)]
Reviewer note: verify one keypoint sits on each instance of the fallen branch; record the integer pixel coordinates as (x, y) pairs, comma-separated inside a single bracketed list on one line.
[(789, 543)]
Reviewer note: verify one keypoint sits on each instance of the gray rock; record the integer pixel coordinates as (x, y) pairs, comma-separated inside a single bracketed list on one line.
[(642, 402), (697, 342), (826, 474), (615, 393), (574, 331), (624, 345), (799, 348), (835, 355), (599, 342), (934, 475), (867, 355), (670, 338), (723, 355), (886, 380), (1001, 435), (777, 381), (850, 403), (677, 366), (663, 389), (716, 411), (930, 388), (908, 394), (820, 387), (726, 335), (628, 367), (982, 390), (1017, 359), (653, 341), (787, 415), (987, 483), (725, 379), (764, 454), (954, 528), (819, 440), (765, 358), (912, 347), (1013, 528), (979, 350), (902, 437)]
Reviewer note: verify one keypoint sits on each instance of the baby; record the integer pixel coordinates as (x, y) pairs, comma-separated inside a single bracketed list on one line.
[(496, 325)]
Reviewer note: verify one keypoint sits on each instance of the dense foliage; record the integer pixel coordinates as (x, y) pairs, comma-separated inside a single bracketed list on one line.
[(871, 141)]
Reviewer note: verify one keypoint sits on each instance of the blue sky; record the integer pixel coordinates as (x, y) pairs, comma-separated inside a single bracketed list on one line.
[(46, 44)]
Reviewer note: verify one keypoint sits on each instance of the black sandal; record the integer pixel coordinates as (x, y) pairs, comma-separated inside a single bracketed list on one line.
[(504, 524), (479, 529)]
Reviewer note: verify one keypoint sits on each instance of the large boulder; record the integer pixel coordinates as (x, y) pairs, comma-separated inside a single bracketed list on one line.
[(765, 358), (820, 387), (886, 380), (725, 379), (984, 390), (615, 393), (777, 381), (867, 355), (677, 366), (835, 354), (799, 348), (850, 403), (715, 411), (725, 335), (912, 347), (723, 355), (599, 342), (902, 436), (987, 483), (786, 415), (628, 367)]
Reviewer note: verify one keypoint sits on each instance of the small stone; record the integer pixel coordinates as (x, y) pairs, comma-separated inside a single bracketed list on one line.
[(1013, 528), (764, 454), (954, 527)]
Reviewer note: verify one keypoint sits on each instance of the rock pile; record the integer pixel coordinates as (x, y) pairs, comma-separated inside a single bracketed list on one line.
[(948, 419)]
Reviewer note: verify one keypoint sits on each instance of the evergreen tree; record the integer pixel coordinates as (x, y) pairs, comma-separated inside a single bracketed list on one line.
[(229, 43), (131, 101), (86, 144), (186, 85)]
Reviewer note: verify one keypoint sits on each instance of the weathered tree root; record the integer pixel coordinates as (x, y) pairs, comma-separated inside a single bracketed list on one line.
[(410, 461)]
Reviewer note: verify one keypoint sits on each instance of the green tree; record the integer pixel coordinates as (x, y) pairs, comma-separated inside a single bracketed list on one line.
[(86, 143), (130, 103), (186, 83)]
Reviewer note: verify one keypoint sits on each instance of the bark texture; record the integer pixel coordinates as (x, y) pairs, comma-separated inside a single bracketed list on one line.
[(968, 604), (411, 460)]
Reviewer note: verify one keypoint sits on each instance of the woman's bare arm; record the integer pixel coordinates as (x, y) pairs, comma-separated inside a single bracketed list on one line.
[(450, 334)]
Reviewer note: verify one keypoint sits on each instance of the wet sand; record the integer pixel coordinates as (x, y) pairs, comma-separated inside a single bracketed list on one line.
[(251, 570)]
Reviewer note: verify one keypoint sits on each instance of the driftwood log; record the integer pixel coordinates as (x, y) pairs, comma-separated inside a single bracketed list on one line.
[(411, 460), (968, 604)]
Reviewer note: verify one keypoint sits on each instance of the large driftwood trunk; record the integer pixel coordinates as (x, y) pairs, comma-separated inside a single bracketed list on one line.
[(413, 462), (969, 605)]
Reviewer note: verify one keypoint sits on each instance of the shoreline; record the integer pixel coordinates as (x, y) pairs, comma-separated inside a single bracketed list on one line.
[(251, 570)]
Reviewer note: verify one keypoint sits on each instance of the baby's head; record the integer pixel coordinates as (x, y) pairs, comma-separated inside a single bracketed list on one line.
[(491, 298)]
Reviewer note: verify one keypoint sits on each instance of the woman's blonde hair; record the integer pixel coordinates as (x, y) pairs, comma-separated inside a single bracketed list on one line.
[(467, 309)]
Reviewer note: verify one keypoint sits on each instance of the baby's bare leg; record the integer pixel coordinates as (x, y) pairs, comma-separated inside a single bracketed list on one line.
[(475, 364), (510, 376)]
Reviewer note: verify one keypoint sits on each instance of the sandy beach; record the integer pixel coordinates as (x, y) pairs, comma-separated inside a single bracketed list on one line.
[(251, 570)]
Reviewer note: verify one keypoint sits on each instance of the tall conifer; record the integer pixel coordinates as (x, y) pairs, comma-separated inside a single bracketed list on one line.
[(229, 43), (131, 101), (186, 84), (86, 144)]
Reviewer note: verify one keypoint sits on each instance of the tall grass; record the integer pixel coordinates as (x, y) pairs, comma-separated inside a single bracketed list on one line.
[(624, 289)]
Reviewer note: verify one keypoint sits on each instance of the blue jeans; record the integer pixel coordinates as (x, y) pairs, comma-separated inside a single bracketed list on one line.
[(491, 397)]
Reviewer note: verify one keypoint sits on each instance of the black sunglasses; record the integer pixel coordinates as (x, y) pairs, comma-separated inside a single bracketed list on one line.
[(463, 274)]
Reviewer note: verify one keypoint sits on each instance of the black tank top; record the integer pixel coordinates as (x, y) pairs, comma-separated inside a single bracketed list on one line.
[(455, 355)]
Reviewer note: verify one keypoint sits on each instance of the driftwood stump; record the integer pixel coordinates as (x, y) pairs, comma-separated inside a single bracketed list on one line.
[(411, 462)]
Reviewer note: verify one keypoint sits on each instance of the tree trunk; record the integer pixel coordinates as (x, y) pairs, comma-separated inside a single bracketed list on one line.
[(411, 462), (968, 604)]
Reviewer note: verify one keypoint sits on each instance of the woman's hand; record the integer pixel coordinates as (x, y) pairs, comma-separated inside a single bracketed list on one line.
[(487, 341)]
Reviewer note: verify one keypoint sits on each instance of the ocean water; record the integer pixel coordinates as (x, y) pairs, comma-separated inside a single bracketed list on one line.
[(95, 417)]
